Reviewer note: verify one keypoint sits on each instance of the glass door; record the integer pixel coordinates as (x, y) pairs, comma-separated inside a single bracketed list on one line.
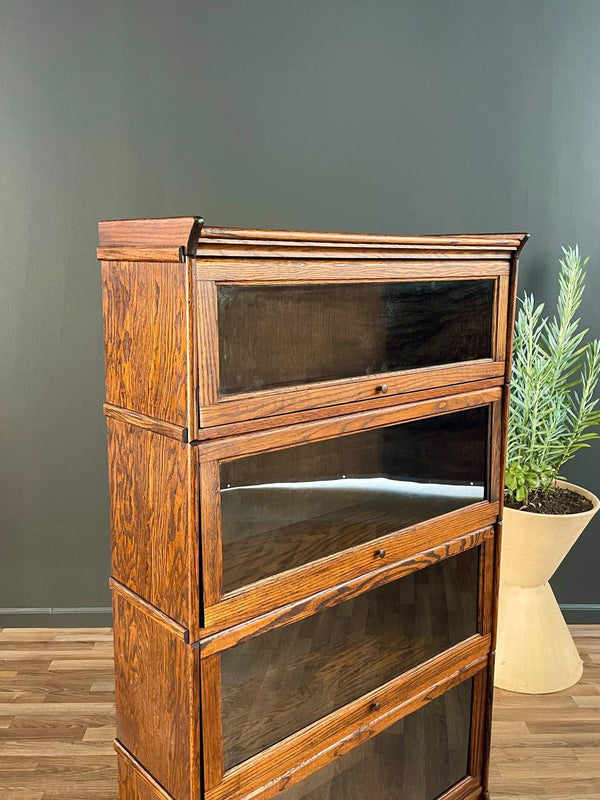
[(286, 517), (360, 658), (276, 348)]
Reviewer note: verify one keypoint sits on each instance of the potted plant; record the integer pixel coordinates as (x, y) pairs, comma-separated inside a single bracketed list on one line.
[(553, 415)]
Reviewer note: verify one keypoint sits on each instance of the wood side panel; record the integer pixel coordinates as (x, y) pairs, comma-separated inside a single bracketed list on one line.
[(152, 670), (145, 338), (357, 721), (148, 483), (135, 783), (312, 603)]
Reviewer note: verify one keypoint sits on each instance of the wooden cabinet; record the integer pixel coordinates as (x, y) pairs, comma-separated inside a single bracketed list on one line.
[(306, 436)]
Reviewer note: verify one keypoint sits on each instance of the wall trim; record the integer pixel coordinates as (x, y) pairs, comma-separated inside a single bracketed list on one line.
[(581, 613), (594, 607), (55, 616), (591, 607)]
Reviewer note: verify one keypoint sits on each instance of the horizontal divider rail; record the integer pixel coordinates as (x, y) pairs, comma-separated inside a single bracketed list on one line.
[(211, 643)]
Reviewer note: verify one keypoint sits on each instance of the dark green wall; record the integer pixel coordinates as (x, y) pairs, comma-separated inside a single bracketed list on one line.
[(413, 117)]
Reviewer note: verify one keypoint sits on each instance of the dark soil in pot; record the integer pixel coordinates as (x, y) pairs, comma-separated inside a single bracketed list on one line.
[(556, 501)]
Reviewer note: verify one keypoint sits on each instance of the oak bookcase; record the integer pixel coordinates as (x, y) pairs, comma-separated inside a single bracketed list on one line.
[(306, 437)]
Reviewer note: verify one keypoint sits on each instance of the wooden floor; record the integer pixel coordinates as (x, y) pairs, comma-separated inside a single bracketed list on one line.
[(57, 723)]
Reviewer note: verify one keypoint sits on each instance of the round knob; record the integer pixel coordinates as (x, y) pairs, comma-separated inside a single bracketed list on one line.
[(380, 553), (375, 706), (382, 389)]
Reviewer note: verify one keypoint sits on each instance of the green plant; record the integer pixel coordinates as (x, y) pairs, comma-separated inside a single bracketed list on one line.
[(555, 374)]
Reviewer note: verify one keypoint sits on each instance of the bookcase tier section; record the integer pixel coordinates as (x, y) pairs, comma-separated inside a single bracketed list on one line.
[(284, 508), (419, 757), (281, 681)]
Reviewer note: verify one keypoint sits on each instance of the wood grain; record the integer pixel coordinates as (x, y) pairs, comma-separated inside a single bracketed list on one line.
[(389, 765), (149, 423), (152, 701), (508, 240), (208, 362), (135, 783), (309, 251), (332, 393), (212, 725), (336, 269), (292, 611), (279, 682), (148, 482), (341, 409), (357, 721), (145, 338), (139, 254), (146, 608), (478, 715), (342, 425), (165, 232)]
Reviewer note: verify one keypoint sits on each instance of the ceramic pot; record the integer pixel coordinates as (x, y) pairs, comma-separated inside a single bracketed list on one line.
[(535, 653)]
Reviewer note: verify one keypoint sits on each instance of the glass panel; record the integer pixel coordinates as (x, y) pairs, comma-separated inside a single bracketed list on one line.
[(288, 507), (272, 336), (418, 758), (283, 680)]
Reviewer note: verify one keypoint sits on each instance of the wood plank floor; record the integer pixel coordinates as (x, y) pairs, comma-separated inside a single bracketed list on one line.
[(57, 723)]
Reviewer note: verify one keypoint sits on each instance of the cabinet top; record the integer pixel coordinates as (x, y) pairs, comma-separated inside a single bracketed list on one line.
[(190, 236)]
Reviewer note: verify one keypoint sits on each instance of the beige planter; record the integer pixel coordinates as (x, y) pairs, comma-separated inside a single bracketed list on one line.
[(535, 652)]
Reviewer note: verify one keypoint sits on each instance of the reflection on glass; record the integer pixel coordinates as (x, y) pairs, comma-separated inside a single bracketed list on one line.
[(418, 758), (285, 508), (281, 681), (273, 336)]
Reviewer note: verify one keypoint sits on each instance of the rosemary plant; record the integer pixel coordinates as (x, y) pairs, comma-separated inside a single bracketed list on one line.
[(553, 410)]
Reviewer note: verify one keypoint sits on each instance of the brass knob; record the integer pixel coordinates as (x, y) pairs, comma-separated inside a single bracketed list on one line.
[(375, 706), (382, 389), (380, 553)]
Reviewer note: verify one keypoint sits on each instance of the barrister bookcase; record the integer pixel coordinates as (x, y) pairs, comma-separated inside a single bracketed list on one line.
[(306, 437)]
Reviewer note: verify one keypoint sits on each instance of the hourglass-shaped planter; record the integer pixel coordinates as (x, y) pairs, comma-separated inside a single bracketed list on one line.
[(535, 652)]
